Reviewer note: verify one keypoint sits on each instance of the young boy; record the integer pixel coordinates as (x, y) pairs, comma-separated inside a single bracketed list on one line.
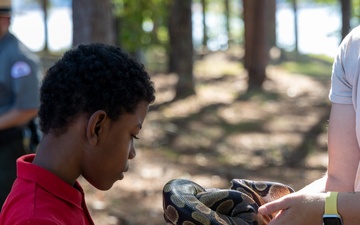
[(93, 103)]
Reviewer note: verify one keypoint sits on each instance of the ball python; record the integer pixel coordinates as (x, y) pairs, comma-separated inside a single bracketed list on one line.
[(187, 203)]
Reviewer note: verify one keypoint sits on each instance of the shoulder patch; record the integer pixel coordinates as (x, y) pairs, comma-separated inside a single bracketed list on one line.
[(20, 69)]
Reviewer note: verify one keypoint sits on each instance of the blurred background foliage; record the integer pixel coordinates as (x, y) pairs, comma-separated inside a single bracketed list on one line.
[(142, 26), (160, 34)]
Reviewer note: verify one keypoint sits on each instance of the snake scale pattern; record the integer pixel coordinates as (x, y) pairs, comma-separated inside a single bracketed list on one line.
[(187, 203)]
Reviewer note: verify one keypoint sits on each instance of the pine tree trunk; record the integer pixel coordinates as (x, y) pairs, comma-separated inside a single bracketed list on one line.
[(93, 21), (256, 19), (346, 15), (181, 47)]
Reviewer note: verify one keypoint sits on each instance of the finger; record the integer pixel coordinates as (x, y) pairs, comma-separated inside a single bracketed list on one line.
[(279, 219), (274, 206)]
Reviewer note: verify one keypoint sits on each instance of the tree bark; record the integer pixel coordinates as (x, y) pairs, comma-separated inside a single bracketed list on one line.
[(271, 22), (296, 27), (93, 21), (345, 15), (227, 20), (181, 46), (44, 6), (205, 37), (256, 42)]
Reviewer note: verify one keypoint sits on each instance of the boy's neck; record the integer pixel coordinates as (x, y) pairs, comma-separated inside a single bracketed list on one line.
[(57, 155)]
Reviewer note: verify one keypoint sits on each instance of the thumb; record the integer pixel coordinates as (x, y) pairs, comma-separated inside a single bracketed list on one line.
[(274, 206)]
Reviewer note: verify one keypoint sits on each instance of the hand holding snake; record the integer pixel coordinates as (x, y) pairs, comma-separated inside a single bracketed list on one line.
[(187, 203), (297, 209)]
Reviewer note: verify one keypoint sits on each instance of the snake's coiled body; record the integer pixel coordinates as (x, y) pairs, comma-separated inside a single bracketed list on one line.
[(187, 203)]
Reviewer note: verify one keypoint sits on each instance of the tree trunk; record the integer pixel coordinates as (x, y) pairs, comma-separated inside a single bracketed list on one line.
[(118, 31), (93, 21), (346, 15), (181, 46), (296, 27), (227, 20), (205, 37), (257, 20), (44, 6), (271, 22)]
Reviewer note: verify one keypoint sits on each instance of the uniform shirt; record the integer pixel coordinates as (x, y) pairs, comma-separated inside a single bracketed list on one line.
[(40, 197), (345, 85), (19, 75)]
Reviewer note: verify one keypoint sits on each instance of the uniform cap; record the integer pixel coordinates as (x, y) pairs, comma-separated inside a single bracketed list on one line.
[(5, 7)]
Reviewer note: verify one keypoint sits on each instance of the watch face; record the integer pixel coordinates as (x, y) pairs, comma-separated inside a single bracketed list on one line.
[(332, 220)]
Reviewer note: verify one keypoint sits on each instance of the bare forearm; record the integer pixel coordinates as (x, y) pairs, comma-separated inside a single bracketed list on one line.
[(308, 209), (349, 207), (326, 183), (315, 187), (15, 118), (334, 183), (343, 148)]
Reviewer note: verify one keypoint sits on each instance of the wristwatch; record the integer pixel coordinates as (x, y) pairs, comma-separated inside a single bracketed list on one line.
[(331, 215)]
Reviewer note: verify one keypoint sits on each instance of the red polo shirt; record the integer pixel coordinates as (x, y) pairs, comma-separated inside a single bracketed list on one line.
[(40, 197)]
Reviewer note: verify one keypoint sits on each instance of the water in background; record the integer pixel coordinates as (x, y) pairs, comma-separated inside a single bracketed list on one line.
[(28, 26), (319, 28)]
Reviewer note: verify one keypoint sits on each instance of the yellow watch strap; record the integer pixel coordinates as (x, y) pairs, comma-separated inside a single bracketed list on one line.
[(331, 203)]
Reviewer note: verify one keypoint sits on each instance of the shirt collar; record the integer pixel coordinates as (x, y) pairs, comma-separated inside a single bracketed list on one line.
[(45, 179)]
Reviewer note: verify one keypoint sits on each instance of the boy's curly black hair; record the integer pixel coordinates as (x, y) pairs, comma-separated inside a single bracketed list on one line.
[(89, 78)]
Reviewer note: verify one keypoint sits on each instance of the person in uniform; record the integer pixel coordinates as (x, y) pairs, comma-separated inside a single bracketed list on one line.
[(20, 71)]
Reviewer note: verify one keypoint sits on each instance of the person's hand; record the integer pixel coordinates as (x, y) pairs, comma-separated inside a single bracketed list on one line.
[(296, 209)]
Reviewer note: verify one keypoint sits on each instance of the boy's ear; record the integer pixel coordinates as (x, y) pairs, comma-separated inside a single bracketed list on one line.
[(95, 126)]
